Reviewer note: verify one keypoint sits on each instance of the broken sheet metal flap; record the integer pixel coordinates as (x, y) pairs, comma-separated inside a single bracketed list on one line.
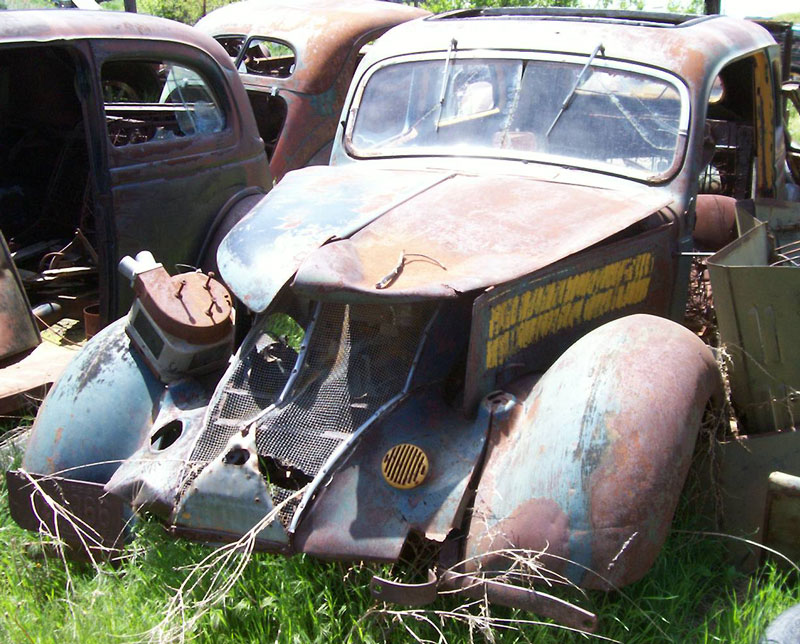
[(230, 497), (450, 239), (756, 293)]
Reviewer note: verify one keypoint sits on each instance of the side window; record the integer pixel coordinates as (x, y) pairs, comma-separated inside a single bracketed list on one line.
[(155, 101), (730, 136), (231, 44), (266, 57)]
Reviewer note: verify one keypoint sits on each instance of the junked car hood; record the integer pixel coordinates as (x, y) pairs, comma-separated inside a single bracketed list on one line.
[(360, 232)]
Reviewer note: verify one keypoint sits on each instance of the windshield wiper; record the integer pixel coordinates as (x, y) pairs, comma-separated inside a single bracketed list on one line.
[(451, 52), (582, 78)]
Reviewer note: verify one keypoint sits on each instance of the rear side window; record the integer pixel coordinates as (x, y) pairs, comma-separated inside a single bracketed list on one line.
[(231, 44), (266, 57), (148, 101)]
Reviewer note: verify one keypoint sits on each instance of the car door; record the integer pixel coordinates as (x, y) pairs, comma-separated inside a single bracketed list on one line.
[(180, 145)]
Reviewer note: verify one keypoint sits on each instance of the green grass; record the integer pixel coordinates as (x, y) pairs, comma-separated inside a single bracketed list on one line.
[(692, 594)]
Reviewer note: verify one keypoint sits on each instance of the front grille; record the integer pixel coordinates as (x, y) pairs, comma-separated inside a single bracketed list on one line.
[(358, 359)]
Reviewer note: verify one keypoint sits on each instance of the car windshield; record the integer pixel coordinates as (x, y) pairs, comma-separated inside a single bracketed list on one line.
[(595, 116)]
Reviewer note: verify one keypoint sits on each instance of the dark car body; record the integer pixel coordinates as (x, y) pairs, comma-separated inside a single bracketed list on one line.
[(91, 140)]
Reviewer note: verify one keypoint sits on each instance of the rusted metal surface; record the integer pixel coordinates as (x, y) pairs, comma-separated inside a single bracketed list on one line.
[(471, 243), (261, 253), (326, 37), (105, 385), (322, 33), (479, 242), (394, 592), (230, 496), (78, 515), (527, 599), (523, 325), (606, 429), (716, 222), (755, 283), (491, 590), (691, 51), (359, 515), (68, 170), (473, 308), (191, 306)]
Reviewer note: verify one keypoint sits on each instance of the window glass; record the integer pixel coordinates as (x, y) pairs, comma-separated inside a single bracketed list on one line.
[(266, 57), (156, 101)]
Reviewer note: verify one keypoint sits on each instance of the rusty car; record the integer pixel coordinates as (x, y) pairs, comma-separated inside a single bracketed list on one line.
[(103, 153), (296, 62), (156, 146), (458, 343)]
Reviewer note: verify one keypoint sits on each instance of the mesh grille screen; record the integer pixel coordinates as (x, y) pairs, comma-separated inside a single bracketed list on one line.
[(359, 357)]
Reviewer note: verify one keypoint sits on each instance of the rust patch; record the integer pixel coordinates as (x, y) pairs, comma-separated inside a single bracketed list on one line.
[(548, 534)]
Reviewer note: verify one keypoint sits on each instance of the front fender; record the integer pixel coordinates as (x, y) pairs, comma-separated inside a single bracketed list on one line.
[(590, 465), (97, 414)]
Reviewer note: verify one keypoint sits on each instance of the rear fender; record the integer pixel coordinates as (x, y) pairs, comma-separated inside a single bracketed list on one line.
[(589, 465)]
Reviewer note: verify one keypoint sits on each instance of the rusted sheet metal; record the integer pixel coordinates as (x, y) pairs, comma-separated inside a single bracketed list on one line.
[(715, 225), (491, 590), (65, 26), (326, 38), (150, 479), (27, 378), (360, 515), (505, 594), (471, 242), (321, 32), (264, 250), (193, 307), (782, 523), (231, 497), (18, 330), (80, 515), (588, 466), (522, 326), (742, 468), (756, 290), (691, 53)]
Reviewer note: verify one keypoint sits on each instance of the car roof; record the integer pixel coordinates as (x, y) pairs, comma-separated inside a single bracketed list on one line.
[(690, 46), (63, 25), (322, 32)]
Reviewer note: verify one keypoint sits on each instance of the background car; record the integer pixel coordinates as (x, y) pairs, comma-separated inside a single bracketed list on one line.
[(296, 61)]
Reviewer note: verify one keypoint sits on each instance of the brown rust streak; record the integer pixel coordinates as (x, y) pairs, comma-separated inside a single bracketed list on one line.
[(626, 532)]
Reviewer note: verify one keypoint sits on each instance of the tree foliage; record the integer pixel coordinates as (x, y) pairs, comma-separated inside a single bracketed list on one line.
[(186, 11), (190, 11)]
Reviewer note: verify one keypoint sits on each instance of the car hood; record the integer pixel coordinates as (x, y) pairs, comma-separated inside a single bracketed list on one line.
[(352, 232)]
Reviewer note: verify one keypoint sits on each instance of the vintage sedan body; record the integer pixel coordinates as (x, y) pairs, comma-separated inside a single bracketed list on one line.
[(100, 135), (458, 337), (297, 61)]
